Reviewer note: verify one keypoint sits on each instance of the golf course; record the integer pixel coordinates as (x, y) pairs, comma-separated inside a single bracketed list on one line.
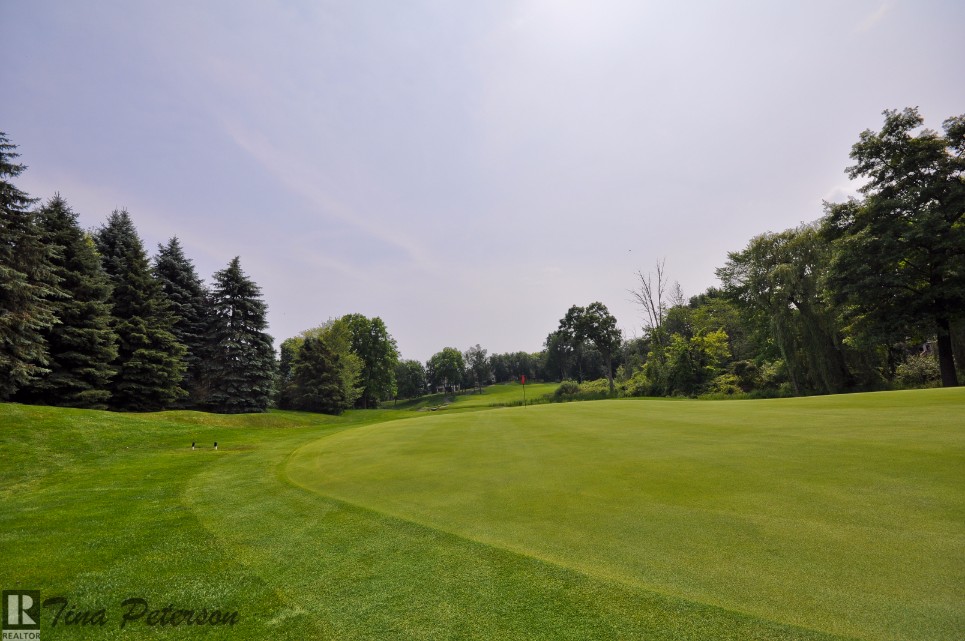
[(829, 517)]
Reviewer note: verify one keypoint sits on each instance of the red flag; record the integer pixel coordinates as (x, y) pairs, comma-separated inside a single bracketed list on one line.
[(522, 379)]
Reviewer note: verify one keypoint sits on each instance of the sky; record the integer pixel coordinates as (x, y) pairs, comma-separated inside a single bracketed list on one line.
[(466, 171)]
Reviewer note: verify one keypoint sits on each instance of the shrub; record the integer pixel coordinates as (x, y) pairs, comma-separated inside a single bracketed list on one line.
[(638, 385), (588, 391), (567, 390), (747, 374), (773, 377), (725, 385), (918, 370), (600, 385)]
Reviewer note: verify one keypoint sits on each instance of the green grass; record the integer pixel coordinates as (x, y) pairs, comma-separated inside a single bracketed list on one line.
[(501, 395), (821, 518)]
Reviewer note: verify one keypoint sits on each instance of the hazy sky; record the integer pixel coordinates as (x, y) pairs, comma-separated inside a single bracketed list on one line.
[(465, 170)]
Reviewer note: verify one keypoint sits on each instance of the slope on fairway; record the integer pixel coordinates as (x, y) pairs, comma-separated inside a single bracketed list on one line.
[(841, 514), (501, 394)]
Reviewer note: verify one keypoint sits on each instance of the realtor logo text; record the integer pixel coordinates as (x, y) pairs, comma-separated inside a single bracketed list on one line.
[(22, 615)]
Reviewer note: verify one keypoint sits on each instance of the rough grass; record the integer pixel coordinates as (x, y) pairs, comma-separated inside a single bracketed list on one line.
[(809, 519)]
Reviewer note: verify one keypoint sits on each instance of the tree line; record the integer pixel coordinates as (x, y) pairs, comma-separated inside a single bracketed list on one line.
[(88, 319), (870, 296)]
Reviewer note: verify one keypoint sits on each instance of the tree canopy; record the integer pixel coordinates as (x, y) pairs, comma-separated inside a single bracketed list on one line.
[(863, 298), (898, 264), (377, 350), (445, 368), (595, 324), (326, 376)]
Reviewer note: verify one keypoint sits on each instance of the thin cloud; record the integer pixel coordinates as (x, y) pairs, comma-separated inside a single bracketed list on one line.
[(876, 16), (303, 180)]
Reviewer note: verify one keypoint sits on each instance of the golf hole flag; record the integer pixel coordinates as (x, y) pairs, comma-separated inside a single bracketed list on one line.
[(522, 379)]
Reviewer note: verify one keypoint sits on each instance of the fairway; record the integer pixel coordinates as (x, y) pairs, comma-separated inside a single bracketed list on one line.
[(842, 514), (820, 518)]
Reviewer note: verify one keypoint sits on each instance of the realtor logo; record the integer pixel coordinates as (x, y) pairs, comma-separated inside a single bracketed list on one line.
[(21, 615)]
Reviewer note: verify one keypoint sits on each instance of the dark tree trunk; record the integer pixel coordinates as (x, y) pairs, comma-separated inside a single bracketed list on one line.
[(946, 360)]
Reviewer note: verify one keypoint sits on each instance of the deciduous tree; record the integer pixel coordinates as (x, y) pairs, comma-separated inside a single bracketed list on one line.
[(898, 263), (596, 325), (446, 368), (477, 366), (778, 278), (372, 343), (600, 327), (410, 376)]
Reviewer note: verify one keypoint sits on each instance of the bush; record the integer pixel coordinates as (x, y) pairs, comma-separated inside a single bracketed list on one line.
[(638, 385), (599, 386), (918, 370), (588, 391), (725, 385), (747, 374), (567, 390), (773, 378)]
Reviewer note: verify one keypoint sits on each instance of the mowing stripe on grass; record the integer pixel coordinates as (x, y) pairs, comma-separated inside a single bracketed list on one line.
[(359, 574), (839, 513)]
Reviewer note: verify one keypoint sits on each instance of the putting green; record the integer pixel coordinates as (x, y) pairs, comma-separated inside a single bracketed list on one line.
[(841, 514)]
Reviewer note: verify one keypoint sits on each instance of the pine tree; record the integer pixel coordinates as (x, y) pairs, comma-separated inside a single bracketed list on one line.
[(316, 380), (26, 282), (191, 308), (243, 358), (319, 371), (149, 361), (82, 345)]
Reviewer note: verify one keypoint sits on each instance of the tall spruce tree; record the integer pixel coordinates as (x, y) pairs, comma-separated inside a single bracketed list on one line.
[(149, 362), (82, 345), (243, 358), (191, 307), (316, 381), (27, 282)]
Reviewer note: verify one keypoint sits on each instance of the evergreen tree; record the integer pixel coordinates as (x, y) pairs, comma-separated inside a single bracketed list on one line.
[(243, 358), (149, 361), (191, 308), (316, 380), (82, 345), (327, 378), (27, 282)]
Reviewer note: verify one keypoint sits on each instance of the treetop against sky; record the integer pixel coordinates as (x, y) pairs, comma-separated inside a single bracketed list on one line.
[(465, 172)]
